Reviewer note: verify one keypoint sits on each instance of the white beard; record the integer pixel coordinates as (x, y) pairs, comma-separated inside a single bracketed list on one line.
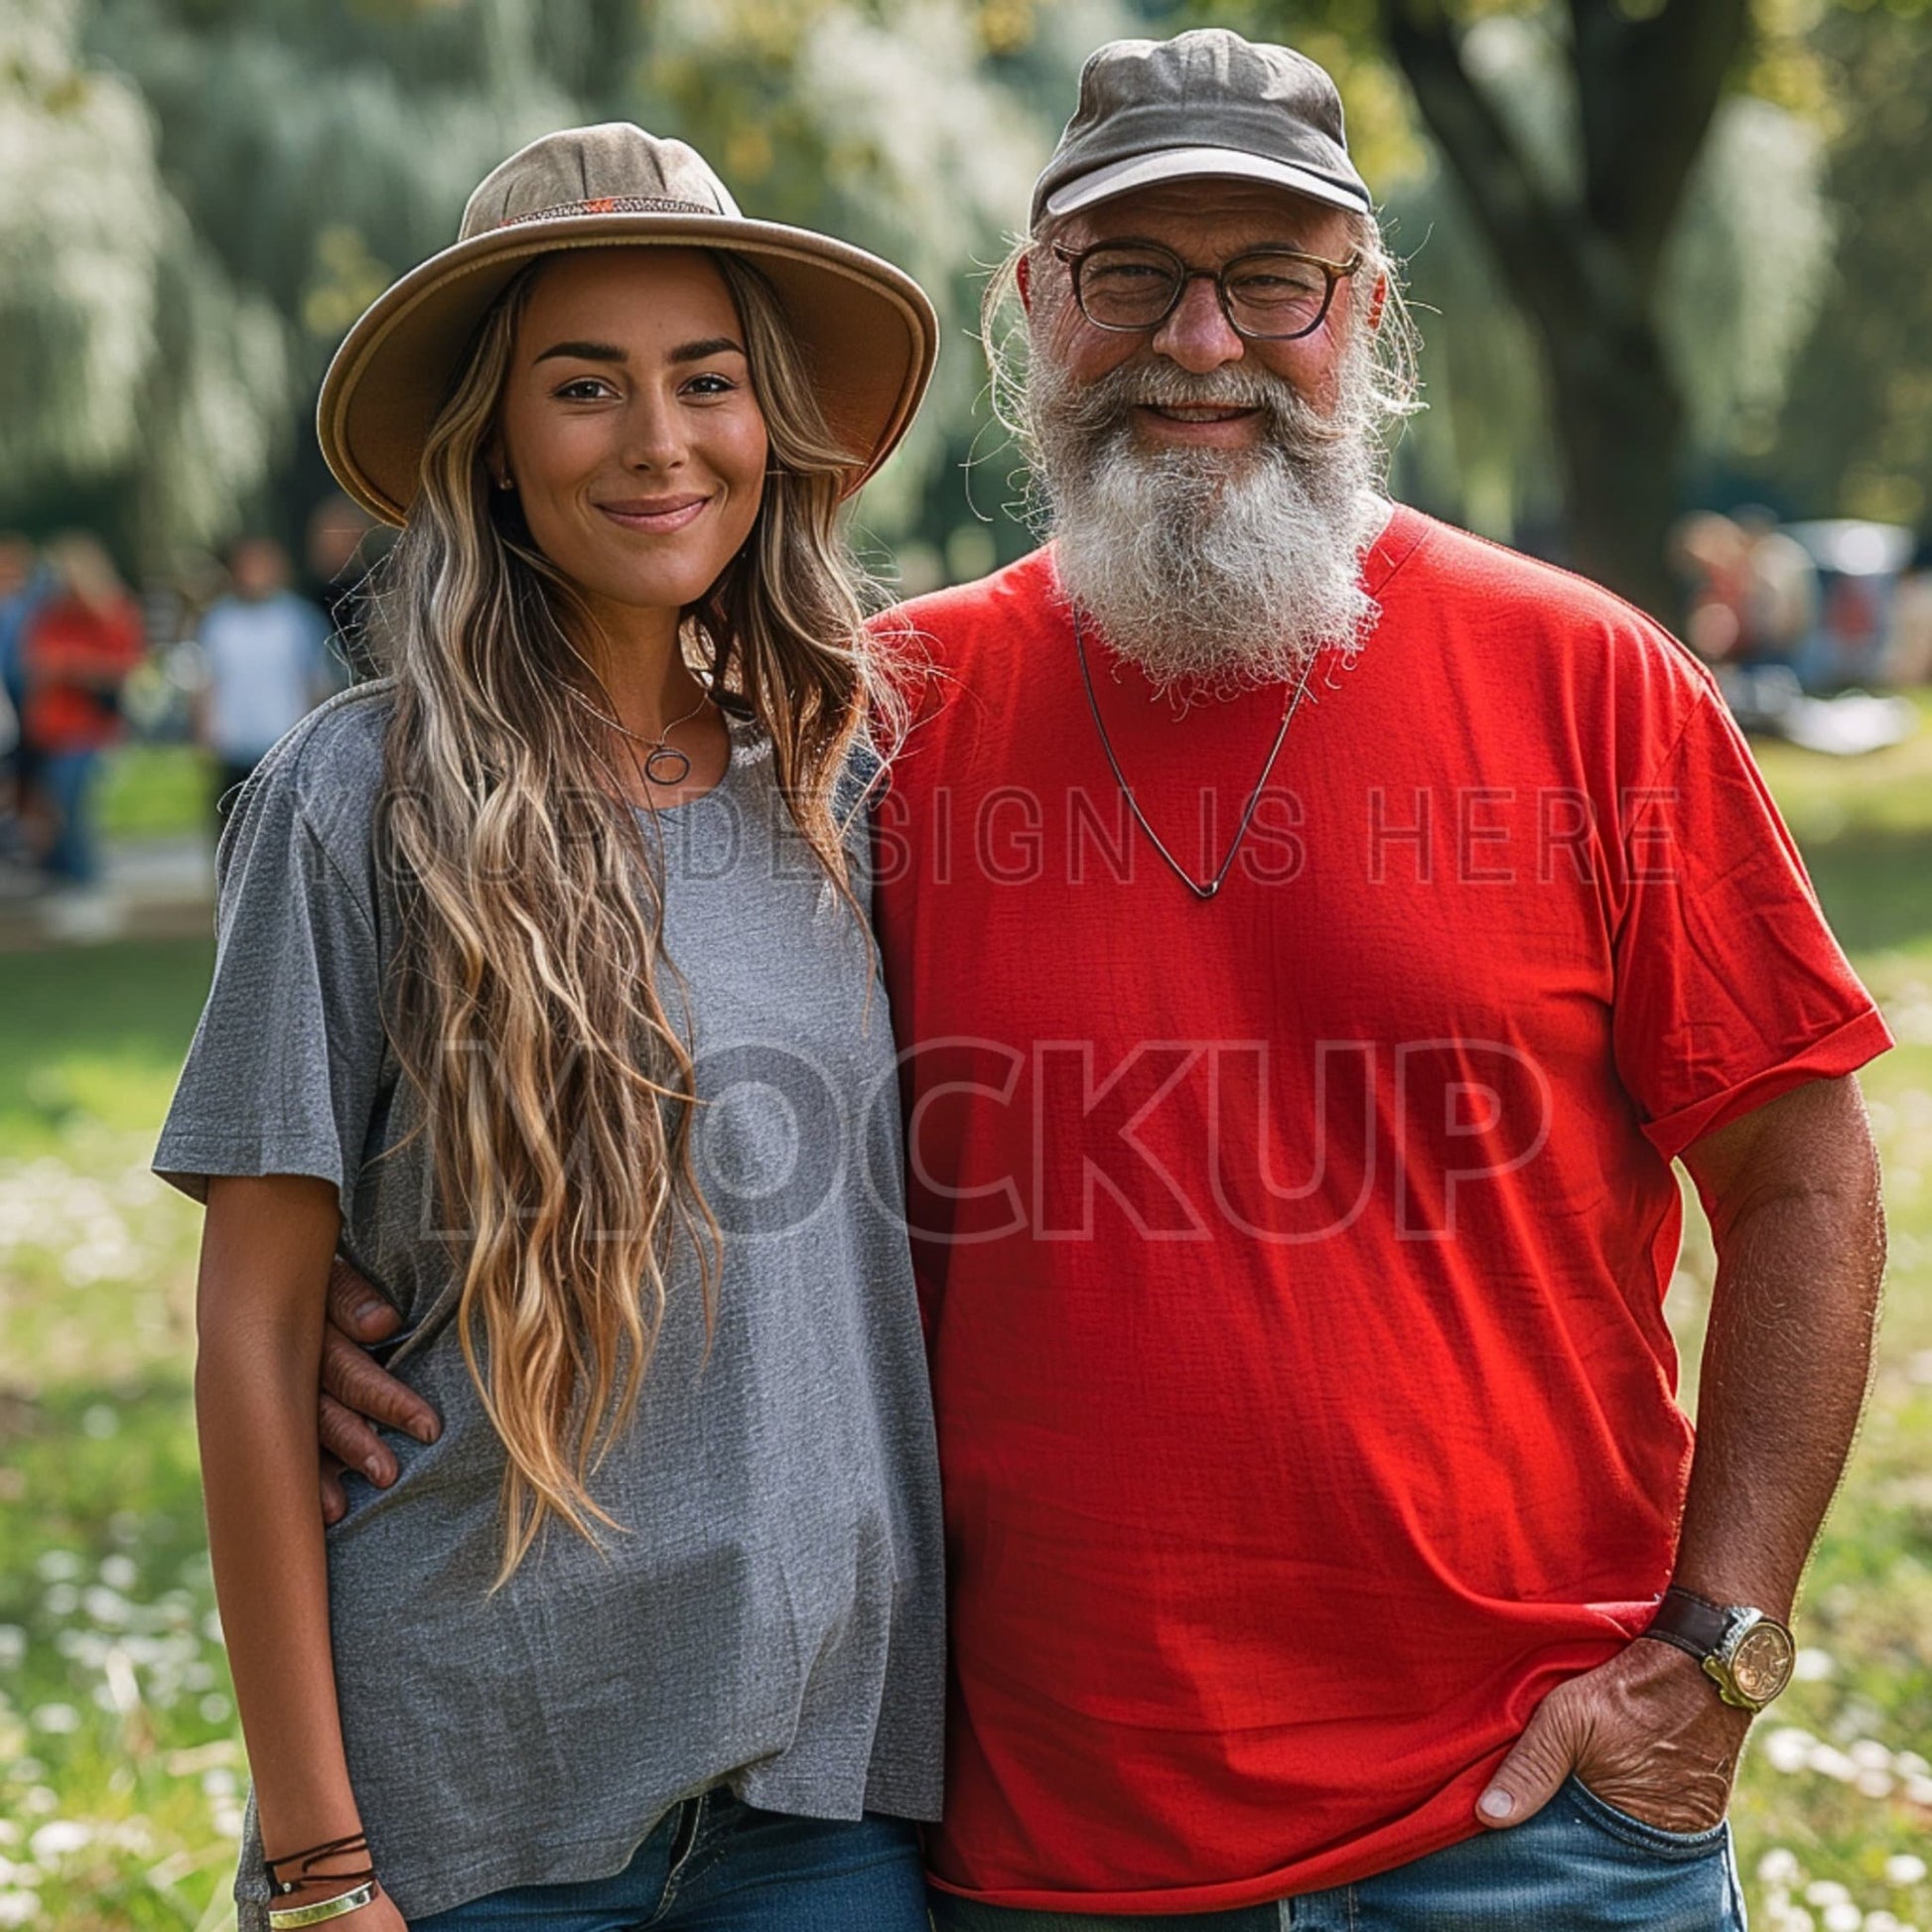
[(1212, 570)]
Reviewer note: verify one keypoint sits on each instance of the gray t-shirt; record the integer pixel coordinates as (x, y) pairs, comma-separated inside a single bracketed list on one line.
[(772, 1617)]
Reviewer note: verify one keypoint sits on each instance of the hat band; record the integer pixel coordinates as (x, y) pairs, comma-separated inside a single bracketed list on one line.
[(609, 205)]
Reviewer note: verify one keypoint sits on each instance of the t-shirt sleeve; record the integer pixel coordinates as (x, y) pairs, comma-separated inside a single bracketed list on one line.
[(1729, 989), (284, 1072)]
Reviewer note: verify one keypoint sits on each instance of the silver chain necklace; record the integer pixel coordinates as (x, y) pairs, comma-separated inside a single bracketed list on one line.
[(1200, 889), (676, 765)]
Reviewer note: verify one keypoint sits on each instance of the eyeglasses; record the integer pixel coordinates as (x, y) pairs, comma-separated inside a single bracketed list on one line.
[(1269, 295)]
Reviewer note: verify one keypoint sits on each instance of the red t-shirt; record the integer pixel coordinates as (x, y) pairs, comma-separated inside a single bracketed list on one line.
[(69, 650), (1294, 1261)]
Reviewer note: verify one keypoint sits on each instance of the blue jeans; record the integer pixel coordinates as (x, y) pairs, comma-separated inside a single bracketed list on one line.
[(69, 778), (1578, 1865), (714, 1864)]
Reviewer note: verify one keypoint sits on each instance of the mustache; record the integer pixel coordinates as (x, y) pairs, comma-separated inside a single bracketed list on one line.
[(1105, 406)]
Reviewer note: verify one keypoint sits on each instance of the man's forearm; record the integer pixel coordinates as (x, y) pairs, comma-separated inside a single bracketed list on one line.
[(1786, 1361)]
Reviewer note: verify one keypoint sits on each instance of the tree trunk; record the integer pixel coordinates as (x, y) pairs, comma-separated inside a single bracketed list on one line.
[(1587, 274), (1620, 425)]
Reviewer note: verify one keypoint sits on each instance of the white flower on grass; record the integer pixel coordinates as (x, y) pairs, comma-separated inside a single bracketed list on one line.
[(216, 1708), (57, 1720), (107, 1606), (1789, 1748), (1904, 1868), (13, 1646), (1842, 1917), (60, 1838), (57, 1567), (1813, 1666), (1826, 1892), (1779, 1867), (18, 1908), (120, 1573)]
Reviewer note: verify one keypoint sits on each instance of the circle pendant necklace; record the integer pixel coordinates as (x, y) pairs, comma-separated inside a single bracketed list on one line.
[(664, 763), (1207, 888)]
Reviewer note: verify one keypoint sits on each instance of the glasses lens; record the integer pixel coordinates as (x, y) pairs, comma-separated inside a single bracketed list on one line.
[(1127, 288), (1275, 294)]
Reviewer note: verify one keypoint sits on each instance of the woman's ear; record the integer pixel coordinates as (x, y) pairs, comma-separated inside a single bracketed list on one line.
[(1378, 302), (1023, 278)]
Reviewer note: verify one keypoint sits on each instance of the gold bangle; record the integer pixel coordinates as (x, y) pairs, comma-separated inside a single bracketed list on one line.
[(289, 1916)]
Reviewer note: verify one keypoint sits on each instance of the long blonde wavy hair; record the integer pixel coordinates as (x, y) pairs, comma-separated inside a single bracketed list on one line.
[(525, 1006)]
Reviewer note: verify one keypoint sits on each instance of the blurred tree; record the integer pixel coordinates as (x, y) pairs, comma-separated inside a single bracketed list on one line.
[(1857, 436), (1586, 259), (130, 357), (1619, 236)]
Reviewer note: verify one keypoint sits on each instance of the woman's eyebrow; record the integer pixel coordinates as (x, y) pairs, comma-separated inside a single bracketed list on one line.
[(611, 353), (586, 352)]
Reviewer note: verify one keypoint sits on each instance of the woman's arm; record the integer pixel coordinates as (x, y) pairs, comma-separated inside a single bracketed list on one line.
[(265, 1256)]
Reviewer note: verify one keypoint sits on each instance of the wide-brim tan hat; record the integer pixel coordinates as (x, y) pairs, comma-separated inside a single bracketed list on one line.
[(868, 332)]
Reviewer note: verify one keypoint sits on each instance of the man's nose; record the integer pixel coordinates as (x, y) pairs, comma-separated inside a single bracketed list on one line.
[(1198, 336)]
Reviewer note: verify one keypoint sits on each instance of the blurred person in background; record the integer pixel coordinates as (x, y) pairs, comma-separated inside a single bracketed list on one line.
[(24, 586), (79, 647), (1908, 649), (344, 544), (1781, 592), (1712, 555), (265, 664)]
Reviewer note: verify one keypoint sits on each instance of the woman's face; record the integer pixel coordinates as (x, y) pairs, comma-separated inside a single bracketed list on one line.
[(628, 427)]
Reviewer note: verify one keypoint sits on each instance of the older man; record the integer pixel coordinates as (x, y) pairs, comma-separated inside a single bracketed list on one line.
[(1314, 933)]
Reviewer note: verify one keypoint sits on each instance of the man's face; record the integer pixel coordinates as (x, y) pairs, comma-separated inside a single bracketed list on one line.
[(1209, 495), (1206, 224)]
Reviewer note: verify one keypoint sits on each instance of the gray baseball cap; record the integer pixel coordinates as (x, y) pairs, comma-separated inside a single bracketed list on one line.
[(1205, 103)]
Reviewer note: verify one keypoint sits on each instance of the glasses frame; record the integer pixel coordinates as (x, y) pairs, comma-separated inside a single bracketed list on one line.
[(1076, 260)]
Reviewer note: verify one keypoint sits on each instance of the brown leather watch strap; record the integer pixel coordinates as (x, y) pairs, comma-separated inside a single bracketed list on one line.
[(1690, 1622)]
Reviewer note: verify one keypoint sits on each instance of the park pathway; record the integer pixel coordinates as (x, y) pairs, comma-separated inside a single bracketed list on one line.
[(150, 889)]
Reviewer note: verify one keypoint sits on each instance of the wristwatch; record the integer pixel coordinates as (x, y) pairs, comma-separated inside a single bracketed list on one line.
[(1748, 1656)]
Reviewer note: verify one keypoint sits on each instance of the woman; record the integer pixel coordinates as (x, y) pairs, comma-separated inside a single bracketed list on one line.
[(544, 990)]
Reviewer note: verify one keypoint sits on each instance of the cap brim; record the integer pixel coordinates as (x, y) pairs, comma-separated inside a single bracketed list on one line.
[(1199, 164), (868, 330)]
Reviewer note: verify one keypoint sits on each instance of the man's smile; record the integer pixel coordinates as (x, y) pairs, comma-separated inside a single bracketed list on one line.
[(1209, 423)]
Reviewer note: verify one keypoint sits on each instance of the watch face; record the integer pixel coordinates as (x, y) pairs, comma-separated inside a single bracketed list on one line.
[(1760, 1666)]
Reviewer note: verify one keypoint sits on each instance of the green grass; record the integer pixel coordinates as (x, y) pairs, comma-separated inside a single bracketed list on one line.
[(154, 791), (119, 1766)]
